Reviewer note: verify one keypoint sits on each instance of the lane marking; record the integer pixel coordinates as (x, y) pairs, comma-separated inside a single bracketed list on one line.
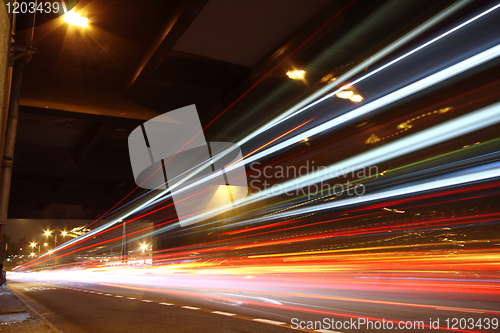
[(189, 307), (266, 300), (224, 313), (267, 321)]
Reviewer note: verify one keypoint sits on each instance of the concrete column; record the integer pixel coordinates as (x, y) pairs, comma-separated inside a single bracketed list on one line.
[(5, 36)]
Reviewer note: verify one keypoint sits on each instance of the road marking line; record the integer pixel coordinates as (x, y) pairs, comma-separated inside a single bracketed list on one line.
[(99, 293), (147, 300), (189, 307), (224, 313), (118, 296), (108, 295), (92, 292), (166, 303), (131, 298), (326, 331), (267, 321)]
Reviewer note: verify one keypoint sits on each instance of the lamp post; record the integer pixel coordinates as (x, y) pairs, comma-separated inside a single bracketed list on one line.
[(124, 242), (48, 233)]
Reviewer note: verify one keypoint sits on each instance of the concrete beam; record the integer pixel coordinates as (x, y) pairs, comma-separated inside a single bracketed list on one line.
[(91, 141), (83, 102), (176, 23)]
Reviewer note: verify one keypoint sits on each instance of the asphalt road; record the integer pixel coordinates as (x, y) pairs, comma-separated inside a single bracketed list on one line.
[(108, 307), (89, 308)]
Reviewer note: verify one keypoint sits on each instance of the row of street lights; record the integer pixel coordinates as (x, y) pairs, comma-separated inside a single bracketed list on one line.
[(144, 247), (47, 234)]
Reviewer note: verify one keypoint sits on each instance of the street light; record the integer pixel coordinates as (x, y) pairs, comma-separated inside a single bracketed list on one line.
[(64, 233), (296, 74), (144, 247), (345, 94), (75, 19), (33, 244), (45, 244), (48, 233), (356, 98)]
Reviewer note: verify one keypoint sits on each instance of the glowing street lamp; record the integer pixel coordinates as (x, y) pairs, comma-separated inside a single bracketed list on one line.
[(33, 244), (296, 74), (48, 233), (144, 247), (73, 18), (356, 98), (349, 94), (346, 94), (64, 233)]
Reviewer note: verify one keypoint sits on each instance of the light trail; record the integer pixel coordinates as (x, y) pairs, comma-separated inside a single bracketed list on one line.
[(402, 93), (427, 82), (316, 97), (414, 189), (440, 133), (299, 281), (401, 41)]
